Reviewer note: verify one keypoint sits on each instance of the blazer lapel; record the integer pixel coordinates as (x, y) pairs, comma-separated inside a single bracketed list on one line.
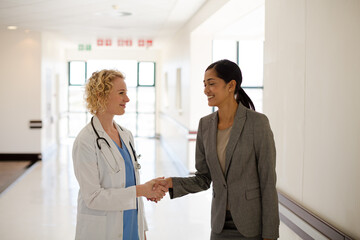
[(213, 128), (236, 130)]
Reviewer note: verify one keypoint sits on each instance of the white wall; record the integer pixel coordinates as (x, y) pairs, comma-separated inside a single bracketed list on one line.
[(190, 52), (311, 82), (54, 89), (20, 67)]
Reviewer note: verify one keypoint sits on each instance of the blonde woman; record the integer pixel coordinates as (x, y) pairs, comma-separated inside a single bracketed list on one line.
[(106, 167)]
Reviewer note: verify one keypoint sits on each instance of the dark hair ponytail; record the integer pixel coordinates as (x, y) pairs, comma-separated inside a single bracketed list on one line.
[(228, 70)]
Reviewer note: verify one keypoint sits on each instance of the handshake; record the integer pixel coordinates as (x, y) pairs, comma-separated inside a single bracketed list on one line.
[(154, 190)]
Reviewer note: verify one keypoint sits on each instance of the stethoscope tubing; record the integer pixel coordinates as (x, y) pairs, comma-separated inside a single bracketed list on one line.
[(138, 166)]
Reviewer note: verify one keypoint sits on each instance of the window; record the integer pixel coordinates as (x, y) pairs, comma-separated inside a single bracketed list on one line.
[(250, 60), (225, 49), (140, 80), (146, 74), (249, 56), (77, 73)]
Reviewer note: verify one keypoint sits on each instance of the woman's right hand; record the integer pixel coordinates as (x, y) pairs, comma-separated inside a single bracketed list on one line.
[(153, 189), (167, 183)]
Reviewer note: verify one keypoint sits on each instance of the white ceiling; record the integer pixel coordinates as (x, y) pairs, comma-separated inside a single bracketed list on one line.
[(94, 18)]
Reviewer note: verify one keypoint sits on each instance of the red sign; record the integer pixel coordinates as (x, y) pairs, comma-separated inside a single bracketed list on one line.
[(108, 42), (124, 42), (145, 43), (141, 42), (100, 42)]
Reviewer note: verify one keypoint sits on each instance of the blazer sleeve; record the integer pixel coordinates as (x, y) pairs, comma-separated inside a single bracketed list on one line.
[(266, 157), (202, 179), (87, 173)]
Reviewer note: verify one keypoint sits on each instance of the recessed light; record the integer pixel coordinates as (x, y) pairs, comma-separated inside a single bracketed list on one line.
[(123, 14), (12, 27), (114, 13)]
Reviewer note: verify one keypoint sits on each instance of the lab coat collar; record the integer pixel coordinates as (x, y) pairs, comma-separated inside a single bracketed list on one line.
[(102, 133)]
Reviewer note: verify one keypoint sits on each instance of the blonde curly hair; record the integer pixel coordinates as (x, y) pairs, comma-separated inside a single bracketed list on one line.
[(97, 89)]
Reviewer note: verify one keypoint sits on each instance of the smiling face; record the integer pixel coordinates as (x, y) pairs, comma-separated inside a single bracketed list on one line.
[(117, 99), (218, 92)]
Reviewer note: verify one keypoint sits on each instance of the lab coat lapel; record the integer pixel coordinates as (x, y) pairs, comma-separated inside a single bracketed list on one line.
[(112, 154), (126, 139), (236, 130)]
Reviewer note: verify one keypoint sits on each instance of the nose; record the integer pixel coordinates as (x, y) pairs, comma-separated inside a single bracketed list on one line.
[(127, 99), (206, 90)]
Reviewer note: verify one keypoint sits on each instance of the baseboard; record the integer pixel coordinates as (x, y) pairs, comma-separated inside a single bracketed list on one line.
[(20, 157)]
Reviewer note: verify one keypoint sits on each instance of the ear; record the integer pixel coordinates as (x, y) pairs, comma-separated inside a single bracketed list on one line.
[(232, 85)]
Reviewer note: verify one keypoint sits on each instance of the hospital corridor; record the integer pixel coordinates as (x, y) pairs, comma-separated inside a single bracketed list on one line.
[(256, 101), (42, 202)]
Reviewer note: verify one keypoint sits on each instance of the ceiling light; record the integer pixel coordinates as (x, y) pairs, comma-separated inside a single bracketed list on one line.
[(123, 14), (12, 27), (113, 14)]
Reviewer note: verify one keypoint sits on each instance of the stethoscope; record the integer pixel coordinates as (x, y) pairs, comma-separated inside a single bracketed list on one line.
[(98, 139)]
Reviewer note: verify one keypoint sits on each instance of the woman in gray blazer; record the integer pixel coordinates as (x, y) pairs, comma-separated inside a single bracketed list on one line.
[(235, 151)]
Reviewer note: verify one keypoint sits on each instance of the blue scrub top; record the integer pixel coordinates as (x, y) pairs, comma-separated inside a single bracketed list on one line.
[(130, 216)]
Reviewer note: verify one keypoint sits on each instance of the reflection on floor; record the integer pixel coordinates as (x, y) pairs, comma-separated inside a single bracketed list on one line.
[(42, 203), (10, 171)]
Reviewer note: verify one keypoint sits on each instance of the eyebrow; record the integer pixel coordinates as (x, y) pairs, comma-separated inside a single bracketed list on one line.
[(209, 79), (122, 89)]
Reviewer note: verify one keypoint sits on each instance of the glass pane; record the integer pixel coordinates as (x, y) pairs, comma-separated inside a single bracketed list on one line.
[(147, 148), (251, 63), (131, 106), (76, 122), (128, 121), (146, 73), (88, 117), (146, 125), (224, 49), (127, 67), (146, 99), (76, 99), (256, 96), (77, 72)]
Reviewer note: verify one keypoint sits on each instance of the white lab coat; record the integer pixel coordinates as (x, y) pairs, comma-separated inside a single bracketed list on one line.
[(102, 195)]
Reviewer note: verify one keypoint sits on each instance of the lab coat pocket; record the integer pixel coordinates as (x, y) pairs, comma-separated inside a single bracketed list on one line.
[(90, 227)]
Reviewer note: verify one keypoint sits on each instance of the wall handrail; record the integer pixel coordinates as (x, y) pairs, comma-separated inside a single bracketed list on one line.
[(316, 222)]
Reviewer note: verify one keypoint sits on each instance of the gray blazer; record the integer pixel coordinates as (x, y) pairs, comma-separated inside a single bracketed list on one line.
[(248, 185)]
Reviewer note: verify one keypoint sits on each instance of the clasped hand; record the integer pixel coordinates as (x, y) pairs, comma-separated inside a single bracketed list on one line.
[(153, 190)]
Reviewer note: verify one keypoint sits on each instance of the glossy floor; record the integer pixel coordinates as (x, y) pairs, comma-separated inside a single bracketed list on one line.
[(42, 203)]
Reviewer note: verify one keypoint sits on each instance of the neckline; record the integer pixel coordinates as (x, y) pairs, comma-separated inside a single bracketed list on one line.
[(226, 129), (122, 143)]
